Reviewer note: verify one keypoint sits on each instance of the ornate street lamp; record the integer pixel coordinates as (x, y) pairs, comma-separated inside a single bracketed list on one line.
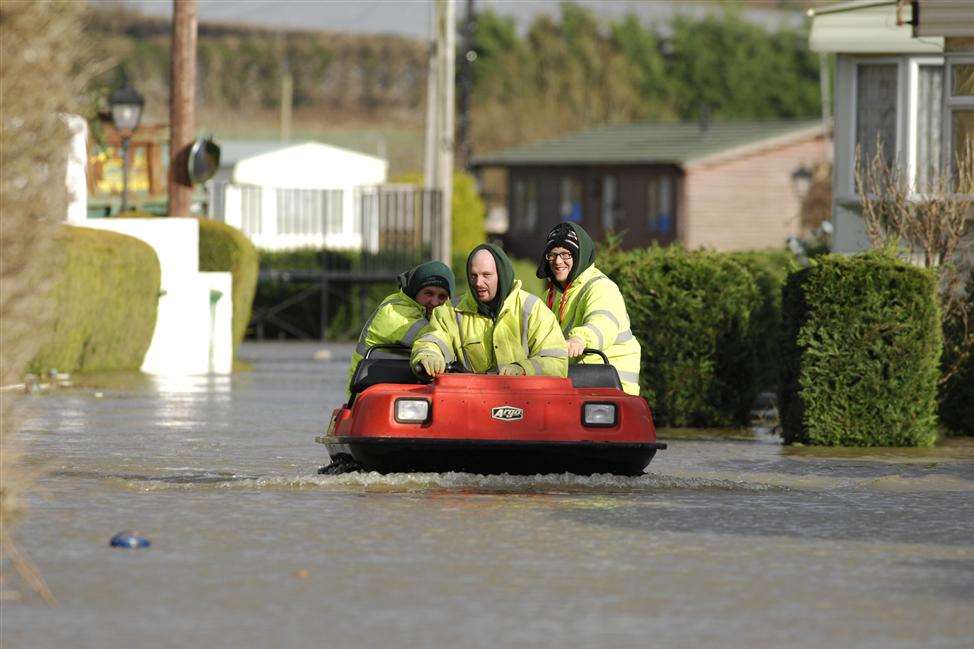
[(126, 105)]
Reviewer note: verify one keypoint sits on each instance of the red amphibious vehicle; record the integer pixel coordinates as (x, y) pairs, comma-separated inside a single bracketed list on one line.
[(489, 424)]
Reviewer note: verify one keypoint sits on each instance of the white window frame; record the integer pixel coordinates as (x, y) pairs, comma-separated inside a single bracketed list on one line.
[(952, 103)]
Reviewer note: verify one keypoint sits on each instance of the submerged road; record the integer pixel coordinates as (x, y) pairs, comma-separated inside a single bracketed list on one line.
[(730, 540)]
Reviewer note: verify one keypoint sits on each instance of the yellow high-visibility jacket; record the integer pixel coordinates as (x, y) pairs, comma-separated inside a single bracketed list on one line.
[(396, 321), (596, 313), (525, 333)]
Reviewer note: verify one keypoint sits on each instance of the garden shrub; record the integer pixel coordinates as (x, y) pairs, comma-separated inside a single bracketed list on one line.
[(862, 344), (770, 269), (105, 299), (224, 248), (957, 393), (690, 312)]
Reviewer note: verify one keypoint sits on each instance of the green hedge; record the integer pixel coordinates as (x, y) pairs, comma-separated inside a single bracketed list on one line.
[(957, 401), (770, 270), (862, 343), (105, 300), (691, 312), (224, 248), (957, 393)]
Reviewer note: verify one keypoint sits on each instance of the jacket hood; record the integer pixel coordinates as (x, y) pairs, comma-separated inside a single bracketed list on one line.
[(575, 239), (505, 279), (432, 273)]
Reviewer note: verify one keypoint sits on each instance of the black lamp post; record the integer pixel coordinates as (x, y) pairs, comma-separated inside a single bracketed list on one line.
[(126, 104)]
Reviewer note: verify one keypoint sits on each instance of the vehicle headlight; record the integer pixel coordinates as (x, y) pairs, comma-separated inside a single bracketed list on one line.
[(412, 411), (599, 414)]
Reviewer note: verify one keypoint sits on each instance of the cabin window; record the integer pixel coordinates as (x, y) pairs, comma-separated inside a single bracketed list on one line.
[(659, 204), (876, 102), (525, 204), (610, 203), (571, 200)]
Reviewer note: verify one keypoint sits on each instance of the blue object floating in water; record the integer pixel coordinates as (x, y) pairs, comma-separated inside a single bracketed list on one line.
[(129, 539)]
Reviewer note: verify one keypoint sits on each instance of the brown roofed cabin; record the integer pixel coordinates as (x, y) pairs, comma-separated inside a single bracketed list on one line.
[(723, 185)]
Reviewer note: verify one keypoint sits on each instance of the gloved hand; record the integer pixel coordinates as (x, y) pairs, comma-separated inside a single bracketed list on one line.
[(431, 364), (510, 370), (575, 346)]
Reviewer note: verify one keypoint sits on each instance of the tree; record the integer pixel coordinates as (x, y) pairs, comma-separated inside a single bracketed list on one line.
[(927, 225)]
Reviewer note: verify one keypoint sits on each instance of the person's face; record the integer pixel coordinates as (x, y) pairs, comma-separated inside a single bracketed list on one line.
[(432, 297), (483, 276), (560, 262)]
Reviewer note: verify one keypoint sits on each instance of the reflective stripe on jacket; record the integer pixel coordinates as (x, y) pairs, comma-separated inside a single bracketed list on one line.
[(596, 313), (396, 321), (525, 332)]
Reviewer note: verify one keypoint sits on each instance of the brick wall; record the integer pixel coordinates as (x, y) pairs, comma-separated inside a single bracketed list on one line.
[(747, 202)]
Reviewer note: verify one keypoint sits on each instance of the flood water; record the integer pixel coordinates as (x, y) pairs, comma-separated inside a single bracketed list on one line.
[(730, 540)]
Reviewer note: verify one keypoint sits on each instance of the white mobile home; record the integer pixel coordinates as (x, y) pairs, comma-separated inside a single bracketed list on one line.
[(291, 196)]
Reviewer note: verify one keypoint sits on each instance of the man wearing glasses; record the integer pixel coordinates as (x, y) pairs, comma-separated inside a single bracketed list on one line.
[(588, 305)]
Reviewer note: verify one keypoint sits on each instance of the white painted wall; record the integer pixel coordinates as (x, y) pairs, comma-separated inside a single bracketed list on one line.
[(192, 336)]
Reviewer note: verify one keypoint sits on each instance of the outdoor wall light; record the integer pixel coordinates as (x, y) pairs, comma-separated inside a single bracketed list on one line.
[(801, 181), (126, 106)]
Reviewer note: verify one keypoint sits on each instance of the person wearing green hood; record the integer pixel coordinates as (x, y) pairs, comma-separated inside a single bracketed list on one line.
[(401, 316), (497, 326), (588, 305)]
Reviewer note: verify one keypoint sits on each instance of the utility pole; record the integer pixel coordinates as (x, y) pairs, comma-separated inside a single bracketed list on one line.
[(182, 100), (287, 89), (446, 109), (466, 85), (429, 150)]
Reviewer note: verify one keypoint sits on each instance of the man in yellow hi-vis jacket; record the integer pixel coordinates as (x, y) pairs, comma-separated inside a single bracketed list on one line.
[(400, 317), (496, 327), (588, 305)]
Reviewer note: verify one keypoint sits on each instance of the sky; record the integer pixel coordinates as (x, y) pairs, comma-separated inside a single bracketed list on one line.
[(413, 17)]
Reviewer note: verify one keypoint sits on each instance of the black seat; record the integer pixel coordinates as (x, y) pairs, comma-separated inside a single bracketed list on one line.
[(373, 371), (594, 376)]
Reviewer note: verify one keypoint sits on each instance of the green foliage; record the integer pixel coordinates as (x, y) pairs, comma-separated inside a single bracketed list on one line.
[(957, 393), (105, 299), (769, 269), (469, 213), (568, 74), (957, 402), (740, 70), (224, 248), (560, 74), (862, 344), (691, 312)]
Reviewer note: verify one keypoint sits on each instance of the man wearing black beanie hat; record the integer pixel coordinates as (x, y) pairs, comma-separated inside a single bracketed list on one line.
[(401, 315), (588, 305)]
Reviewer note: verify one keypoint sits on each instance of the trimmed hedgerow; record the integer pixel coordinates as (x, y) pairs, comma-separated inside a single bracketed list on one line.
[(224, 248), (862, 344), (691, 313), (770, 269), (957, 393), (105, 299)]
